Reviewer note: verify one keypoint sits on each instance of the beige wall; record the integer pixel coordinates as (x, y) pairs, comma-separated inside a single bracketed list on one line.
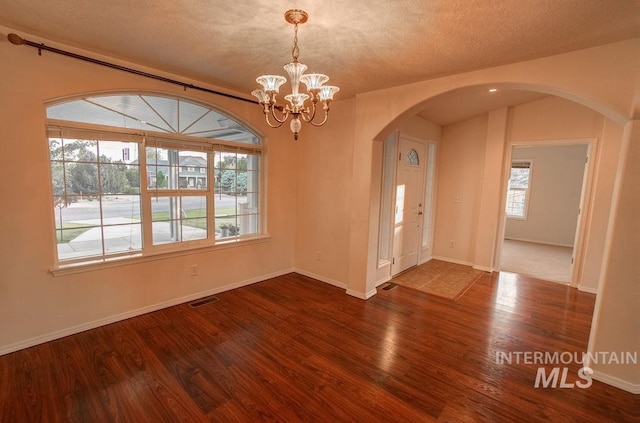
[(554, 194), (323, 197), (616, 321), (34, 305), (460, 166)]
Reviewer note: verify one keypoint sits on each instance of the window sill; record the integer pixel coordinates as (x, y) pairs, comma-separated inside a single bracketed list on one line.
[(70, 269), (517, 217)]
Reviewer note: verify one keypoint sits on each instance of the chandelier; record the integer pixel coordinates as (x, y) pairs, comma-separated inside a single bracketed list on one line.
[(296, 108)]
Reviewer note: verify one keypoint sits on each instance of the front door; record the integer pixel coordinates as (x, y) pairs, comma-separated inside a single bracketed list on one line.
[(409, 199)]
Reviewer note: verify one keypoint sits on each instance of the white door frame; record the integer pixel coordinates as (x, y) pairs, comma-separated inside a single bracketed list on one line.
[(398, 260), (585, 199), (387, 204)]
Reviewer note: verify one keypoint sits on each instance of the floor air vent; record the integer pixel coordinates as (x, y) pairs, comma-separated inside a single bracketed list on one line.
[(204, 301), (389, 286)]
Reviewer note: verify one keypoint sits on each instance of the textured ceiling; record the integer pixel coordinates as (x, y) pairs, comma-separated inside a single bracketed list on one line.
[(362, 45)]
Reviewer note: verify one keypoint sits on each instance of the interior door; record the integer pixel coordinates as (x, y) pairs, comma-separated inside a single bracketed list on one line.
[(408, 205)]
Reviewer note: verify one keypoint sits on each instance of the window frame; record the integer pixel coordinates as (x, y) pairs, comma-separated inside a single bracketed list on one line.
[(527, 190), (189, 143)]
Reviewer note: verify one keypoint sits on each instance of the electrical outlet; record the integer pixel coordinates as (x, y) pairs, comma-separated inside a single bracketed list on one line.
[(457, 199), (194, 269), (319, 255)]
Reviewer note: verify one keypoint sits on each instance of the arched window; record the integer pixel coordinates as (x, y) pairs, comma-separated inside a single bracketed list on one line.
[(412, 158), (142, 174)]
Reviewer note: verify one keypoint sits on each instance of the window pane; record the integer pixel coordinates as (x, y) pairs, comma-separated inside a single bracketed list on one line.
[(516, 203), (237, 195), (153, 113), (57, 179), (177, 219), (77, 240), (82, 178), (176, 169), (227, 226), (55, 148), (93, 210), (122, 238), (193, 170), (248, 224), (518, 189), (194, 217), (121, 209), (519, 178), (78, 229), (80, 150)]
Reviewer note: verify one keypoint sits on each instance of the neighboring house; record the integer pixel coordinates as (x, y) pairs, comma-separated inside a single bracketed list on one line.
[(192, 172)]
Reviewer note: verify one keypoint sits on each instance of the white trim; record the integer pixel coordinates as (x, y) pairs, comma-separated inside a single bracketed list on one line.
[(424, 260), (321, 278), (586, 197), (133, 313), (360, 295), (455, 261), (483, 268), (383, 263), (634, 388), (463, 263), (383, 280), (527, 190), (588, 289)]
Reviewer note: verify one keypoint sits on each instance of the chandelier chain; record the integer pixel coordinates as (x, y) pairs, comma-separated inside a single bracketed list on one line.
[(295, 52)]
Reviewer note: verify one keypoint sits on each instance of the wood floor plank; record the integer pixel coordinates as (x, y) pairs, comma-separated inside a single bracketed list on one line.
[(293, 349)]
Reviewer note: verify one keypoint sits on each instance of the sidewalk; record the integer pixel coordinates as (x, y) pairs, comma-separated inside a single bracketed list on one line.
[(125, 236)]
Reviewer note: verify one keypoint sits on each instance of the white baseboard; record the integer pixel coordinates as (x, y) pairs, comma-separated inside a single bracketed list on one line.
[(133, 313), (616, 382), (321, 278), (353, 293), (455, 261), (360, 295), (587, 289), (483, 268), (464, 263), (424, 260)]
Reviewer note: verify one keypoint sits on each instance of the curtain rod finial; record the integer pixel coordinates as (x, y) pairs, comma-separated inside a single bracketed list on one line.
[(15, 39)]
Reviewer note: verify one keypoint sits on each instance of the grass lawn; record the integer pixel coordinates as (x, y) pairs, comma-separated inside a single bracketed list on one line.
[(194, 218), (71, 231), (197, 218)]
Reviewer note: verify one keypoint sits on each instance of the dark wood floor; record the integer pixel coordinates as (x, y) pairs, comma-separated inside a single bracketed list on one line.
[(293, 349)]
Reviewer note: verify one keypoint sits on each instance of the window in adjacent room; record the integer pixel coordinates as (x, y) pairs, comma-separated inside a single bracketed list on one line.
[(142, 174), (519, 188)]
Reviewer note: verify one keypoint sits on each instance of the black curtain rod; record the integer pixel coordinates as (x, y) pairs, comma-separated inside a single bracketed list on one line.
[(18, 40)]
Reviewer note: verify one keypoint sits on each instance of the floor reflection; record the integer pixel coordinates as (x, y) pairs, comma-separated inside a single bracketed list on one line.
[(506, 295)]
